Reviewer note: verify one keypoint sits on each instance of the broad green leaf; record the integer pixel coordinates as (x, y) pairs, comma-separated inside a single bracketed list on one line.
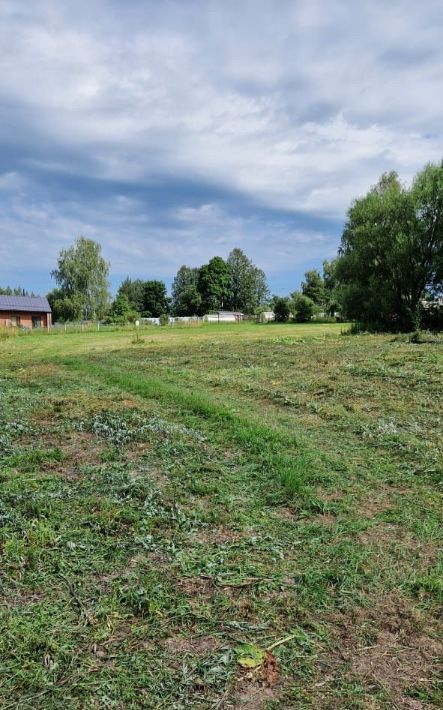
[(249, 655)]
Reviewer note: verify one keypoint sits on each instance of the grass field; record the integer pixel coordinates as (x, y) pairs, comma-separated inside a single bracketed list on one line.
[(220, 517)]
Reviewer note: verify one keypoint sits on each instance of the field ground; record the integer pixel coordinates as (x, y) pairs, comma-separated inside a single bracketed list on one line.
[(172, 509)]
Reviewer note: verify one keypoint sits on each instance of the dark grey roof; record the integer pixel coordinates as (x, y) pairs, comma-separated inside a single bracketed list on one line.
[(34, 304)]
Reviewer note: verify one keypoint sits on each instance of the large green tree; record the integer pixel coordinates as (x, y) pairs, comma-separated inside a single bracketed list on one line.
[(261, 288), (155, 299), (148, 298), (247, 283), (82, 278), (134, 289), (392, 250), (313, 287), (331, 292), (214, 284), (186, 299), (427, 251)]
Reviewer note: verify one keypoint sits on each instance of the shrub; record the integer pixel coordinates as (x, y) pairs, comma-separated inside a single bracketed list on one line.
[(303, 308), (281, 310)]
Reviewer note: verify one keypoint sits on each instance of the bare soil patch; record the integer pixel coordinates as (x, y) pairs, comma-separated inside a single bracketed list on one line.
[(387, 647), (253, 697), (197, 645), (219, 535), (38, 371), (324, 519)]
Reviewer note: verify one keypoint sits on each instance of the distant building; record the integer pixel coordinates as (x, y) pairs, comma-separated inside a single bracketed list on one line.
[(25, 312), (224, 317), (266, 316)]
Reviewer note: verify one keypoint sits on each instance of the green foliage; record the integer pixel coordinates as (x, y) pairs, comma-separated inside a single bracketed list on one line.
[(281, 309), (249, 655), (155, 299), (66, 308), (164, 319), (186, 299), (148, 298), (82, 276), (121, 311), (18, 291), (214, 284), (313, 287), (331, 294), (302, 307), (248, 288), (133, 289), (236, 284), (392, 250)]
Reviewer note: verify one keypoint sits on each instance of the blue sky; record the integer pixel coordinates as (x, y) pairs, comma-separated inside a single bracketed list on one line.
[(171, 131)]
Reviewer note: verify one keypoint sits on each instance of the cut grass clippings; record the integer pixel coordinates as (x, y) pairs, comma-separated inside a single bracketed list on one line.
[(296, 471), (220, 517)]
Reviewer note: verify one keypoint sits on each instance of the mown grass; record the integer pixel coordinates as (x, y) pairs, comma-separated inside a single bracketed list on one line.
[(164, 503)]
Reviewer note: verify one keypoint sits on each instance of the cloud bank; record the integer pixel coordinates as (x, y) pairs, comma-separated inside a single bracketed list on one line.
[(170, 131)]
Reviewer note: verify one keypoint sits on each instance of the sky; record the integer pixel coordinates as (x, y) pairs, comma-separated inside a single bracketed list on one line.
[(171, 131)]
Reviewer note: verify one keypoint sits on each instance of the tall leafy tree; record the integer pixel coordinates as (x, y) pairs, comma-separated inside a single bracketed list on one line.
[(214, 284), (331, 292), (392, 249), (247, 284), (186, 299), (155, 299), (134, 289), (82, 277), (427, 252), (313, 287), (261, 287)]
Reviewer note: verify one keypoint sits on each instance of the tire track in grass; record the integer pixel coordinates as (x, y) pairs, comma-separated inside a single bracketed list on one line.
[(294, 465)]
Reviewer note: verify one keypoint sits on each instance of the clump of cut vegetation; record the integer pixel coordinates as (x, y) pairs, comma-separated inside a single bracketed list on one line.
[(122, 427)]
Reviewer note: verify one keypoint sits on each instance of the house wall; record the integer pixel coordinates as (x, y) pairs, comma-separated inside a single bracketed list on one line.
[(7, 318), (223, 317)]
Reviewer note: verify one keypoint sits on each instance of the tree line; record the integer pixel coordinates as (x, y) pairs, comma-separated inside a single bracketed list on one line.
[(18, 291), (82, 290), (235, 284), (388, 273)]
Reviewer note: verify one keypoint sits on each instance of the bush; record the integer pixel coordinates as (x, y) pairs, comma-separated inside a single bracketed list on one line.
[(121, 311), (281, 310), (431, 316), (303, 308), (164, 319)]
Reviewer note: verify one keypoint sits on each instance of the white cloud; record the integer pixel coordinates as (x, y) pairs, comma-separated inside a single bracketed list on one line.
[(292, 106)]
